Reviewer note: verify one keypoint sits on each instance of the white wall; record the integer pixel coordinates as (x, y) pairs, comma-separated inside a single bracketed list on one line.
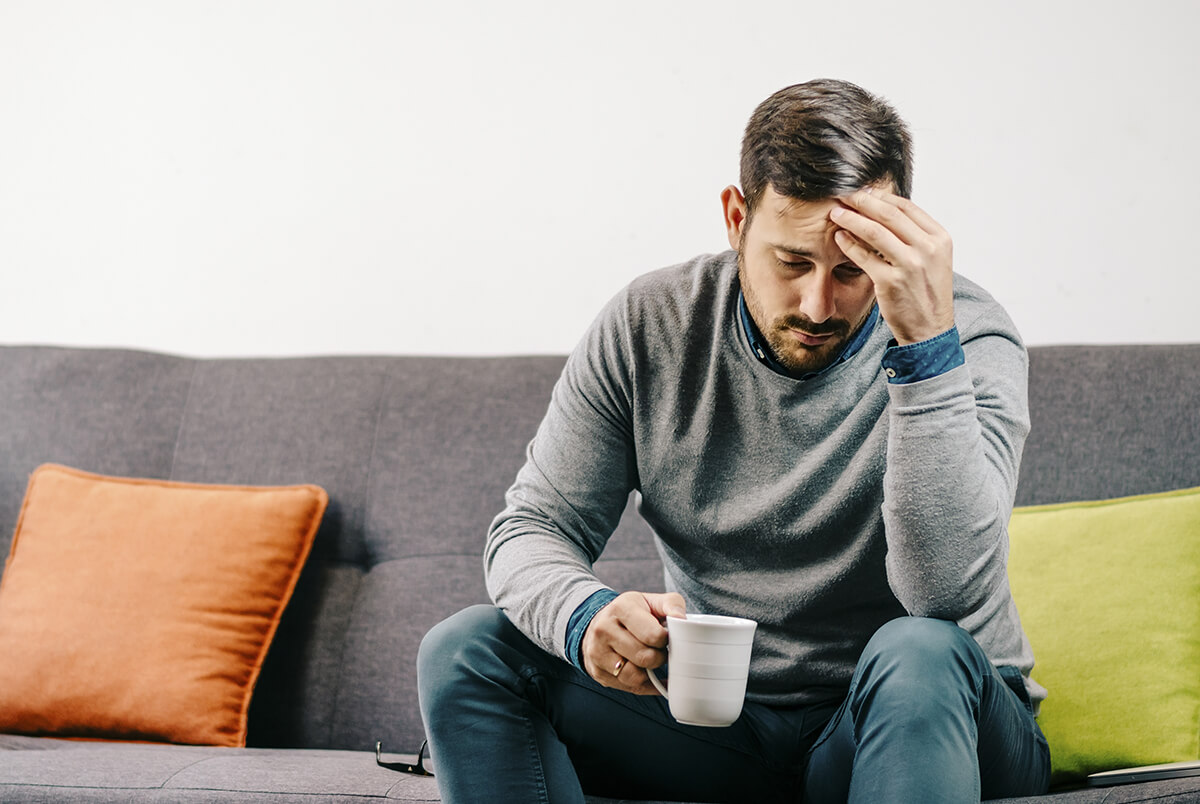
[(332, 176)]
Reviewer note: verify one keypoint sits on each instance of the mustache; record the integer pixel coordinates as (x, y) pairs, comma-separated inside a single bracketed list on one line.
[(837, 326)]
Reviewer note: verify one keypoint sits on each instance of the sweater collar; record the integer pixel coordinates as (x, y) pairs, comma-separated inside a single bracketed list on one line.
[(760, 348)]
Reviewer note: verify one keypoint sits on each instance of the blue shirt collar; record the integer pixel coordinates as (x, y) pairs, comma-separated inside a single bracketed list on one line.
[(758, 344)]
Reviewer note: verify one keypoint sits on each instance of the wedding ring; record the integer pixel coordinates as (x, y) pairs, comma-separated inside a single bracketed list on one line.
[(617, 669)]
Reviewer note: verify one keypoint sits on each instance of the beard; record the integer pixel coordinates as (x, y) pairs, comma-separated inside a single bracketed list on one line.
[(795, 356)]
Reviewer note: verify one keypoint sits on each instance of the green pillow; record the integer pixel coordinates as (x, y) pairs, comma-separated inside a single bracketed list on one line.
[(1109, 594)]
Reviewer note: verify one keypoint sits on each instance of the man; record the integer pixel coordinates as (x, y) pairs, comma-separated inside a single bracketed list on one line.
[(825, 426)]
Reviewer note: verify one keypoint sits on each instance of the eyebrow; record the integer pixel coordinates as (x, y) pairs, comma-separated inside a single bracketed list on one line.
[(798, 252)]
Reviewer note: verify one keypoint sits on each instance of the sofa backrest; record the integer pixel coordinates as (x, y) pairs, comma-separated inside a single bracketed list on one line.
[(1111, 421), (416, 454)]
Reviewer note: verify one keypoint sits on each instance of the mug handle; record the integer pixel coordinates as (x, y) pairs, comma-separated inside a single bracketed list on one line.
[(657, 684)]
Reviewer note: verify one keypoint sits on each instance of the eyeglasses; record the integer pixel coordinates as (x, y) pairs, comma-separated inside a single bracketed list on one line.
[(418, 769)]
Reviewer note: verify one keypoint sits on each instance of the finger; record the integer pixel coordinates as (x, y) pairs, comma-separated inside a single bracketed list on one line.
[(876, 202), (627, 676), (636, 651), (635, 679), (865, 257), (604, 664), (666, 605), (871, 233), (886, 212), (640, 684), (613, 657), (919, 216), (608, 637), (634, 612)]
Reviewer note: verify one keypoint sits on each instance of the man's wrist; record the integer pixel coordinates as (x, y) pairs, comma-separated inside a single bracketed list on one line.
[(579, 622), (924, 360)]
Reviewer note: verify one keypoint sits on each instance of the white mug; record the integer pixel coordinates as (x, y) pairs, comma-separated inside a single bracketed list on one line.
[(709, 658)]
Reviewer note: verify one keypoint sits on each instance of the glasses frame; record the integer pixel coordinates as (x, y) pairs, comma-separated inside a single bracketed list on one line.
[(418, 769)]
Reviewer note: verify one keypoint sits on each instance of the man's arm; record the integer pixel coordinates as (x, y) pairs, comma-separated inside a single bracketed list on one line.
[(954, 447), (955, 438), (560, 512)]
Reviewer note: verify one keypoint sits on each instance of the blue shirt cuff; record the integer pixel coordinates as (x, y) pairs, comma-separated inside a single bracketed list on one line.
[(925, 360), (581, 619)]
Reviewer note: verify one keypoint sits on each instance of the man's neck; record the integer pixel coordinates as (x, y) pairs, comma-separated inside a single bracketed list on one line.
[(762, 349)]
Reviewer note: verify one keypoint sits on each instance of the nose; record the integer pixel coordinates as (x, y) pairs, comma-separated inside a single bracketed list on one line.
[(816, 299)]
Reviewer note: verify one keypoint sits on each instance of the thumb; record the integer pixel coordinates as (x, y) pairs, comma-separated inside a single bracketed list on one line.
[(666, 605)]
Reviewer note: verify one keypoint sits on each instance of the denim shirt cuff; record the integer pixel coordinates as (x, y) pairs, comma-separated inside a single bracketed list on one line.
[(925, 360), (581, 619)]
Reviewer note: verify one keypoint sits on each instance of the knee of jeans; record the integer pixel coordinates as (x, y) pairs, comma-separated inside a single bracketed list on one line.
[(924, 651), (447, 648)]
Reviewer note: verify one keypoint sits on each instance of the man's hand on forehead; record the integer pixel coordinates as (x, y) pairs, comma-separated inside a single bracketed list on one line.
[(908, 256)]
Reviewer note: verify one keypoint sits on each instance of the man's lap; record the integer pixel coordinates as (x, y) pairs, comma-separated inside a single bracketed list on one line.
[(629, 746)]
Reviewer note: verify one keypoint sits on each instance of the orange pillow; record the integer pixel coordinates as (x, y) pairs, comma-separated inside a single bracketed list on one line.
[(142, 609)]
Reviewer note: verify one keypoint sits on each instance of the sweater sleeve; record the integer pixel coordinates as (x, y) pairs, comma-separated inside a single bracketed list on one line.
[(954, 447), (568, 497)]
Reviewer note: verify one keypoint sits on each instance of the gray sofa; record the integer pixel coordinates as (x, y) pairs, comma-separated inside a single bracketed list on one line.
[(416, 453)]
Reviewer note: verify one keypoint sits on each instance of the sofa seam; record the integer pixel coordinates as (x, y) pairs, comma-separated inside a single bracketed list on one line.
[(350, 616), (337, 697), (385, 386), (189, 766), (397, 787), (187, 404)]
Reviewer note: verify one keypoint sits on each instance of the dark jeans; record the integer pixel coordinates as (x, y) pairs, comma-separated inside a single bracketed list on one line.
[(927, 718)]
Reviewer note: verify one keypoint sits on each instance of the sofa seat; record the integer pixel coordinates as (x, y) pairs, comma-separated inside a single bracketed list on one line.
[(40, 770), (50, 770)]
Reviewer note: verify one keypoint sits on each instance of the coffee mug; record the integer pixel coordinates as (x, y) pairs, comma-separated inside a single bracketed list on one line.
[(709, 659)]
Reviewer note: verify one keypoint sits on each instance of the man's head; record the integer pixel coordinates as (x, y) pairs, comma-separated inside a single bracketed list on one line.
[(823, 139), (805, 146)]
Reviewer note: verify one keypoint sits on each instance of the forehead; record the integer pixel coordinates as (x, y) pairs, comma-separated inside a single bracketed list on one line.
[(783, 215)]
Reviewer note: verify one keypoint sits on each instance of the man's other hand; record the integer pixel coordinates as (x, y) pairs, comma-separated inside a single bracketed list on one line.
[(908, 256), (629, 636)]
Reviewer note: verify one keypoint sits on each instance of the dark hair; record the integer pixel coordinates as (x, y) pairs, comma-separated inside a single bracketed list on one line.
[(822, 139)]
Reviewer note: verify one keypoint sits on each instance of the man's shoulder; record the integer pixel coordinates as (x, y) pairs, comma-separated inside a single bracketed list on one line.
[(977, 312), (971, 291), (700, 275), (681, 294), (669, 311)]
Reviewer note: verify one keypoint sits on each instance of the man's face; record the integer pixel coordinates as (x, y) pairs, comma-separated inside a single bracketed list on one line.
[(806, 297)]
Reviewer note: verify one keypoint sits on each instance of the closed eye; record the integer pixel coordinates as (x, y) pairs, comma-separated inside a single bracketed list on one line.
[(797, 265), (849, 270)]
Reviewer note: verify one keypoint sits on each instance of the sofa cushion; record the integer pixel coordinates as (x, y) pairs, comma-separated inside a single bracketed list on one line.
[(1109, 594), (142, 609), (125, 772)]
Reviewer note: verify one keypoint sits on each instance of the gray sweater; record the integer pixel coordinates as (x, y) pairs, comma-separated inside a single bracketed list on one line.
[(820, 508)]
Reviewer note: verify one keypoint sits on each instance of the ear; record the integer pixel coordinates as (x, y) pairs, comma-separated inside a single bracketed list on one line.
[(733, 204)]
